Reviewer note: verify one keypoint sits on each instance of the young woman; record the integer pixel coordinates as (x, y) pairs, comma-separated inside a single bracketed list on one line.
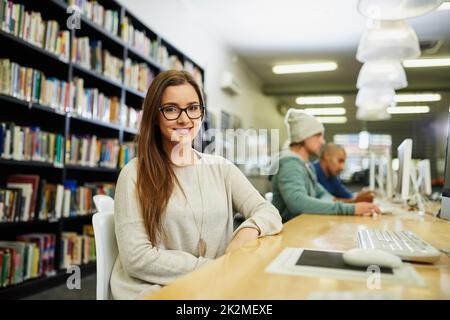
[(173, 205)]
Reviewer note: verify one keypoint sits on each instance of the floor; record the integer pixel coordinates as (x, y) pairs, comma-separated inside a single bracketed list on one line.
[(87, 291)]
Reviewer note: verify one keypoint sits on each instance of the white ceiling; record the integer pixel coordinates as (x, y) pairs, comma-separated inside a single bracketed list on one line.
[(266, 32)]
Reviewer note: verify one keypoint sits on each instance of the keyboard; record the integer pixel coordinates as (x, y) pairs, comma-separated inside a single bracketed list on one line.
[(404, 244)]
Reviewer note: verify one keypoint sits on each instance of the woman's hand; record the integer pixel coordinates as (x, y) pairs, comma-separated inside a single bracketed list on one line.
[(243, 236)]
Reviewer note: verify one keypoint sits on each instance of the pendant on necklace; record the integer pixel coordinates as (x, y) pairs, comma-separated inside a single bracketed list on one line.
[(201, 247)]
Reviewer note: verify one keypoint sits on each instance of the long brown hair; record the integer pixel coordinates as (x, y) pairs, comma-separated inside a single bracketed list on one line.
[(155, 175)]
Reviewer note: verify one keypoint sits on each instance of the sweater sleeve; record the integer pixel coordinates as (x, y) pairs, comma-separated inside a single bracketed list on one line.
[(322, 193), (139, 257), (260, 214), (292, 179), (341, 190)]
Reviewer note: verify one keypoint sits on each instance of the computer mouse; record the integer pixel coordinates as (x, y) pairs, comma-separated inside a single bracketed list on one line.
[(368, 257)]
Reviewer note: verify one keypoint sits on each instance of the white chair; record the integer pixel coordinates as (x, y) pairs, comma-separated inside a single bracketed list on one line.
[(269, 196), (105, 243)]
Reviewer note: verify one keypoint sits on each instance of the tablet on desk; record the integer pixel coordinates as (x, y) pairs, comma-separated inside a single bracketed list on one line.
[(310, 262), (330, 259)]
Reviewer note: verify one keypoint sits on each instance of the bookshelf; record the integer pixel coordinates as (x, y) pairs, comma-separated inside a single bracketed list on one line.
[(141, 47)]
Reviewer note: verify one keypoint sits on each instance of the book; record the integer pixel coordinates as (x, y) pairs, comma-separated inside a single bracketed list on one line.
[(18, 258), (31, 143), (27, 194), (27, 179)]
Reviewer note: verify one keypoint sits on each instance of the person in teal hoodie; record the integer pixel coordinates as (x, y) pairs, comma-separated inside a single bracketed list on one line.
[(295, 187)]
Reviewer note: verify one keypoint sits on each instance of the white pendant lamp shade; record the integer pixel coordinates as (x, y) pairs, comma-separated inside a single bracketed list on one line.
[(396, 9), (375, 97), (382, 72), (372, 114), (388, 40)]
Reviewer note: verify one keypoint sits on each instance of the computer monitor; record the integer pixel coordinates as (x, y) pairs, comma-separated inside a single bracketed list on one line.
[(380, 172), (372, 172), (389, 175), (404, 152), (424, 169), (445, 209)]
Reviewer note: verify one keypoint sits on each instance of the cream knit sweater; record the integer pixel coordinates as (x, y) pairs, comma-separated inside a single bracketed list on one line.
[(141, 267)]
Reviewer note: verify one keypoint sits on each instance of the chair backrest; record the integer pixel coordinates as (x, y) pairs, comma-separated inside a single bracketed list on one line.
[(104, 203), (269, 196), (105, 243)]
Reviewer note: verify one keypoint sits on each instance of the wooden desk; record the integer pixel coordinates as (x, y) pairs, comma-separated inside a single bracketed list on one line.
[(240, 274)]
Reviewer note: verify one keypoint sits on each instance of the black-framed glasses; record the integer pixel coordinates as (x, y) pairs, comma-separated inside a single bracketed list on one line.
[(193, 112)]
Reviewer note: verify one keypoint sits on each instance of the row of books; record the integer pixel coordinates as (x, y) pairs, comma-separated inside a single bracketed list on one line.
[(91, 55), (28, 198), (88, 53), (138, 76), (194, 71), (77, 249), (89, 151), (167, 60), (138, 39), (112, 67), (68, 200), (29, 26), (33, 86), (131, 118), (93, 104), (30, 256), (30, 144), (107, 19), (128, 150)]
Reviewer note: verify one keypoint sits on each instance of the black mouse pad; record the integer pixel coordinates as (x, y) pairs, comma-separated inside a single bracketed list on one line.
[(334, 260)]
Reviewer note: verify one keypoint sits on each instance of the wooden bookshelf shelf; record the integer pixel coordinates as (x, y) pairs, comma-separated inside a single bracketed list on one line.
[(99, 30), (30, 163), (64, 123), (5, 98), (98, 76), (35, 285), (136, 54), (97, 122), (135, 93), (130, 131), (28, 45), (30, 105), (7, 225), (78, 218), (86, 168)]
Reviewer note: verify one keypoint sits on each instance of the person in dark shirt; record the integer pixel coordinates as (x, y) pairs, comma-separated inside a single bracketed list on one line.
[(328, 168)]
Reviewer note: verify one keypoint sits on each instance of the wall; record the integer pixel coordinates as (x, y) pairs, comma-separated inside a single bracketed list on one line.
[(182, 27), (179, 25)]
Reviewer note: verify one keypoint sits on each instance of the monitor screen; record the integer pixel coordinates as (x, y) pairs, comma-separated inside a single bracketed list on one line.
[(404, 152), (446, 190)]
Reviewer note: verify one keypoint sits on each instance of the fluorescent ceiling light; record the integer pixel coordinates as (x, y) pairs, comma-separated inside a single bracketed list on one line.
[(444, 6), (325, 111), (304, 67), (332, 119), (320, 100), (406, 97), (408, 109), (421, 63)]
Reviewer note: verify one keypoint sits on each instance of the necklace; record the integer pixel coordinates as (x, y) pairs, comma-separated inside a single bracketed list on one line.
[(201, 245)]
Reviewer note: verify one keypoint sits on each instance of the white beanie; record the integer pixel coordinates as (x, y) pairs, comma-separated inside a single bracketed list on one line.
[(301, 125)]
